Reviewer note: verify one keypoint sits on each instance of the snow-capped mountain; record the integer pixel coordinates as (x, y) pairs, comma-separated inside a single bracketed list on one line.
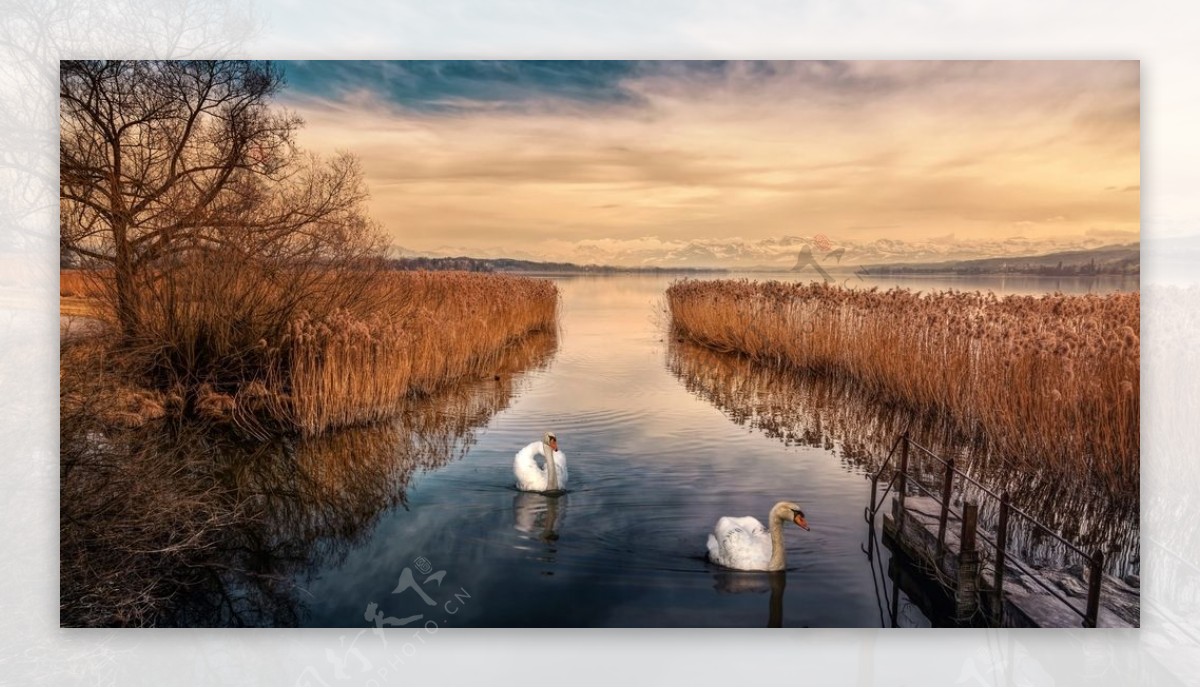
[(772, 253)]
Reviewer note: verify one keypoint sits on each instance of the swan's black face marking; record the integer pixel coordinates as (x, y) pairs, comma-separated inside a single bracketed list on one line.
[(798, 519)]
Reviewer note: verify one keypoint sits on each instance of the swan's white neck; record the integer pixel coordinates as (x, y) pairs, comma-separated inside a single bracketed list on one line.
[(551, 469), (778, 552)]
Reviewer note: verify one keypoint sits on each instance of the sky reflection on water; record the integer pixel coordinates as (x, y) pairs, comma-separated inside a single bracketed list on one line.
[(661, 441)]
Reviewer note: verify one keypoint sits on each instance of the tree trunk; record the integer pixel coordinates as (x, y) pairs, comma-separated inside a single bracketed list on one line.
[(126, 290), (123, 258)]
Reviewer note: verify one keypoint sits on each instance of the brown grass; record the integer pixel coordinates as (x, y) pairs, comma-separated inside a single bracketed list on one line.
[(271, 349), (81, 293), (1048, 382), (347, 369), (78, 284)]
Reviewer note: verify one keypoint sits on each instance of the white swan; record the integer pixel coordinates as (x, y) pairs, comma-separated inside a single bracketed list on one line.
[(743, 543), (533, 478)]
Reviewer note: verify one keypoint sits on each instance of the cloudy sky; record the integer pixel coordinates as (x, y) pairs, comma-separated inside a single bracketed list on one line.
[(627, 161)]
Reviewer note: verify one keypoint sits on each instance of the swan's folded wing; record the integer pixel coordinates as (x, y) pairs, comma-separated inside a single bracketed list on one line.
[(739, 542), (526, 470), (747, 525)]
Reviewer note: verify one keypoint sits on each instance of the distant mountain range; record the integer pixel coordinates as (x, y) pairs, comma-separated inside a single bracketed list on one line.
[(772, 254)]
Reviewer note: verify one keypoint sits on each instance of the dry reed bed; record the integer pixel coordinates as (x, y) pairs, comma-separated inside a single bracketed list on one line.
[(87, 284), (268, 350), (1049, 382), (347, 370), (80, 293)]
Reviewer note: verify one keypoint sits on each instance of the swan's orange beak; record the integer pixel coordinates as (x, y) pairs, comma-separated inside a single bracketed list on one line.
[(799, 520)]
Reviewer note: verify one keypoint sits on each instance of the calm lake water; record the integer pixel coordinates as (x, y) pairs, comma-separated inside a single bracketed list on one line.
[(419, 523)]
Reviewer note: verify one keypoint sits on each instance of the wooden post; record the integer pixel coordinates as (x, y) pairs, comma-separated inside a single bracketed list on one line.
[(968, 565), (1001, 555), (902, 483), (1093, 601), (947, 487), (969, 522), (874, 490)]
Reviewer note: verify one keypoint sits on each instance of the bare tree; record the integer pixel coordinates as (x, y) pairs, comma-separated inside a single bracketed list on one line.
[(162, 160)]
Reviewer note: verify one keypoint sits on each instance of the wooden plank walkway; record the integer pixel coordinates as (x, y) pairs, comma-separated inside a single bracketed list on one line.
[(1026, 604)]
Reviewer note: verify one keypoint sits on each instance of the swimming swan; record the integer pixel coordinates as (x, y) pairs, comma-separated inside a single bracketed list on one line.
[(743, 543), (533, 478)]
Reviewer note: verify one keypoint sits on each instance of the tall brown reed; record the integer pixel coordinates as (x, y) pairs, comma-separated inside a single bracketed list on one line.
[(78, 284), (346, 369), (299, 347), (1045, 381)]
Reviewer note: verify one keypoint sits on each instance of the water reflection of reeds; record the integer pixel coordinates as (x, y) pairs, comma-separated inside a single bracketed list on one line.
[(836, 415), (277, 509)]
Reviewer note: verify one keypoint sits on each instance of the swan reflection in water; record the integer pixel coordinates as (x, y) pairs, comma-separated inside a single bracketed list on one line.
[(539, 515), (756, 582)]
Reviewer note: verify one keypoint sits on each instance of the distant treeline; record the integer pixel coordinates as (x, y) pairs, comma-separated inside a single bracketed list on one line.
[(1060, 270), (1109, 260), (514, 265)]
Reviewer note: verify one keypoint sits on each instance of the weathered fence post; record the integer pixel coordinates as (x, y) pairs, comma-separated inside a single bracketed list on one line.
[(1093, 601), (947, 487), (968, 565), (902, 483), (1001, 554), (874, 490)]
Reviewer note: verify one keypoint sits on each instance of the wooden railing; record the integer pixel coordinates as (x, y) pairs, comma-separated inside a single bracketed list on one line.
[(899, 480)]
